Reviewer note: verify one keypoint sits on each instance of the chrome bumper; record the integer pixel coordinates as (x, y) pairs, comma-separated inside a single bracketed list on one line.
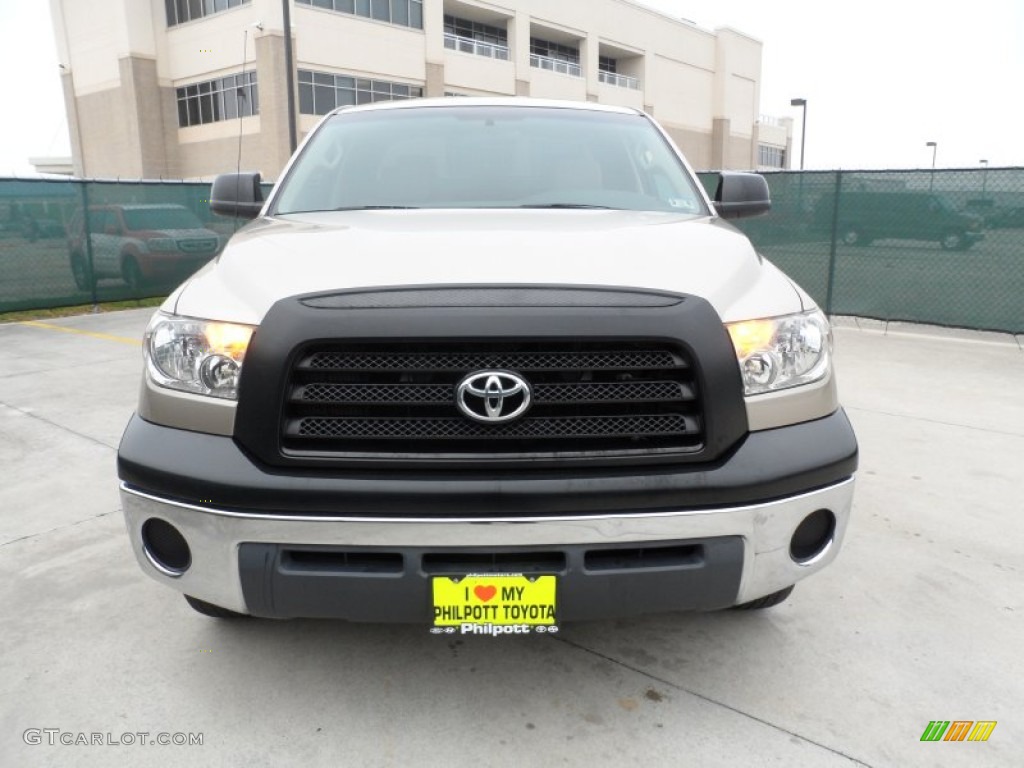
[(214, 536)]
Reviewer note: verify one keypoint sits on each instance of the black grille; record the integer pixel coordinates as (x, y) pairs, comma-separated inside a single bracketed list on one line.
[(197, 245), (373, 393), (398, 400), (469, 361), (462, 428), (385, 394)]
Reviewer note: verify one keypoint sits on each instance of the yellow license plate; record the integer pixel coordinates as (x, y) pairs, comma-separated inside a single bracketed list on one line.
[(496, 599)]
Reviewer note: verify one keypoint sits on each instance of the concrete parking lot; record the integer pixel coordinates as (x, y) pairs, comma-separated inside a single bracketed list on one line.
[(921, 618)]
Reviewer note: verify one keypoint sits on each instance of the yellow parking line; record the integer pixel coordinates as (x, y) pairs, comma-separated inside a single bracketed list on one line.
[(93, 334)]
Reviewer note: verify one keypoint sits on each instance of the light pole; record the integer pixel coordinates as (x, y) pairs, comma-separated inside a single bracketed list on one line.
[(802, 103), (984, 176), (935, 148)]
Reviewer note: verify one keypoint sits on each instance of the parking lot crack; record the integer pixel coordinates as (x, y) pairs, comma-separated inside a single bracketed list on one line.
[(61, 427), (62, 368), (37, 534), (709, 700), (988, 430)]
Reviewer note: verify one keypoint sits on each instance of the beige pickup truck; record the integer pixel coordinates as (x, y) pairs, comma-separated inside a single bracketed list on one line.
[(487, 365)]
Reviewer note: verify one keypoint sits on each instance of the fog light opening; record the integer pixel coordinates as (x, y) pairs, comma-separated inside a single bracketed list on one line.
[(165, 547), (813, 537)]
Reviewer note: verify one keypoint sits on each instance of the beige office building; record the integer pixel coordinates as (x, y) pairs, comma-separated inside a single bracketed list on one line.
[(178, 88)]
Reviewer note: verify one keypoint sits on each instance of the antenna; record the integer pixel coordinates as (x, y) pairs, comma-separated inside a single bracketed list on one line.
[(241, 91), (240, 94)]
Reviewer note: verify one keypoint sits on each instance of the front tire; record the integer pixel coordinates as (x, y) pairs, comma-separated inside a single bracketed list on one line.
[(131, 274), (854, 236), (953, 241), (214, 611), (765, 602), (85, 280)]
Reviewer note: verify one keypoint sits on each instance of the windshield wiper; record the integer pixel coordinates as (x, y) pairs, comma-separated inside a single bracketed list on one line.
[(571, 205), (378, 208)]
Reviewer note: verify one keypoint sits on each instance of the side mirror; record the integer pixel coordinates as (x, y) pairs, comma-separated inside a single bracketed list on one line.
[(741, 194), (238, 195)]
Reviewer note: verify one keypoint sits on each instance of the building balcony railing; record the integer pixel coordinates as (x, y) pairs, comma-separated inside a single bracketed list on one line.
[(476, 47), (555, 65), (620, 81)]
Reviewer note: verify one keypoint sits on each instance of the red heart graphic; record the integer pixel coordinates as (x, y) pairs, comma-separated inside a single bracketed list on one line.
[(485, 593)]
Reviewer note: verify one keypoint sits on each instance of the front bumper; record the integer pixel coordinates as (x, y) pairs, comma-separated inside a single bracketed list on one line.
[(727, 527), (160, 265), (742, 553)]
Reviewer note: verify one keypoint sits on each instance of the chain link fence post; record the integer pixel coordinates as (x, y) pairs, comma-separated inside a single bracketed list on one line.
[(90, 273)]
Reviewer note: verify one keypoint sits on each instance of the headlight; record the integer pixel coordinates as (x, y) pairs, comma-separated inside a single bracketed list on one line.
[(781, 352), (200, 356), (161, 244)]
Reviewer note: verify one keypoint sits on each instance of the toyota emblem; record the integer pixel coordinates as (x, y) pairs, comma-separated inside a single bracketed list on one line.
[(493, 397)]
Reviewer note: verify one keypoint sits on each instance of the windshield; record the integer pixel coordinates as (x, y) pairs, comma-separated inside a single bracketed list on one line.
[(488, 157), (161, 218)]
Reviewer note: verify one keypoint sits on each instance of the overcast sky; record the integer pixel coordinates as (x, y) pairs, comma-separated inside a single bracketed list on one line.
[(881, 78)]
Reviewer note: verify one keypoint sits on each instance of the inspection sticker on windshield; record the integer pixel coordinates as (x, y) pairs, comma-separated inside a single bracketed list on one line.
[(492, 604)]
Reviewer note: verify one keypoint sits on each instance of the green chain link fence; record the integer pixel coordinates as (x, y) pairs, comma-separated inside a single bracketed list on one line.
[(943, 247), (77, 242)]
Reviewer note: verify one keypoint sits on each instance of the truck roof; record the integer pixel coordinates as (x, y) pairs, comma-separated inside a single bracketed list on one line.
[(486, 101)]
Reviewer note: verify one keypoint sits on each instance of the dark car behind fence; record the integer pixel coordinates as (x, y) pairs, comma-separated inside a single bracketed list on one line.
[(943, 247)]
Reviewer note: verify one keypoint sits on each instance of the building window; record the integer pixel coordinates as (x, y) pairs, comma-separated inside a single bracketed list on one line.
[(320, 92), (771, 157), (555, 51), (225, 98), (473, 37), (555, 57), (607, 72), (404, 13), (180, 11)]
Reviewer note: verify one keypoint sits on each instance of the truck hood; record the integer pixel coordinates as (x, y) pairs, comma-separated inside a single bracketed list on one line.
[(277, 257)]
